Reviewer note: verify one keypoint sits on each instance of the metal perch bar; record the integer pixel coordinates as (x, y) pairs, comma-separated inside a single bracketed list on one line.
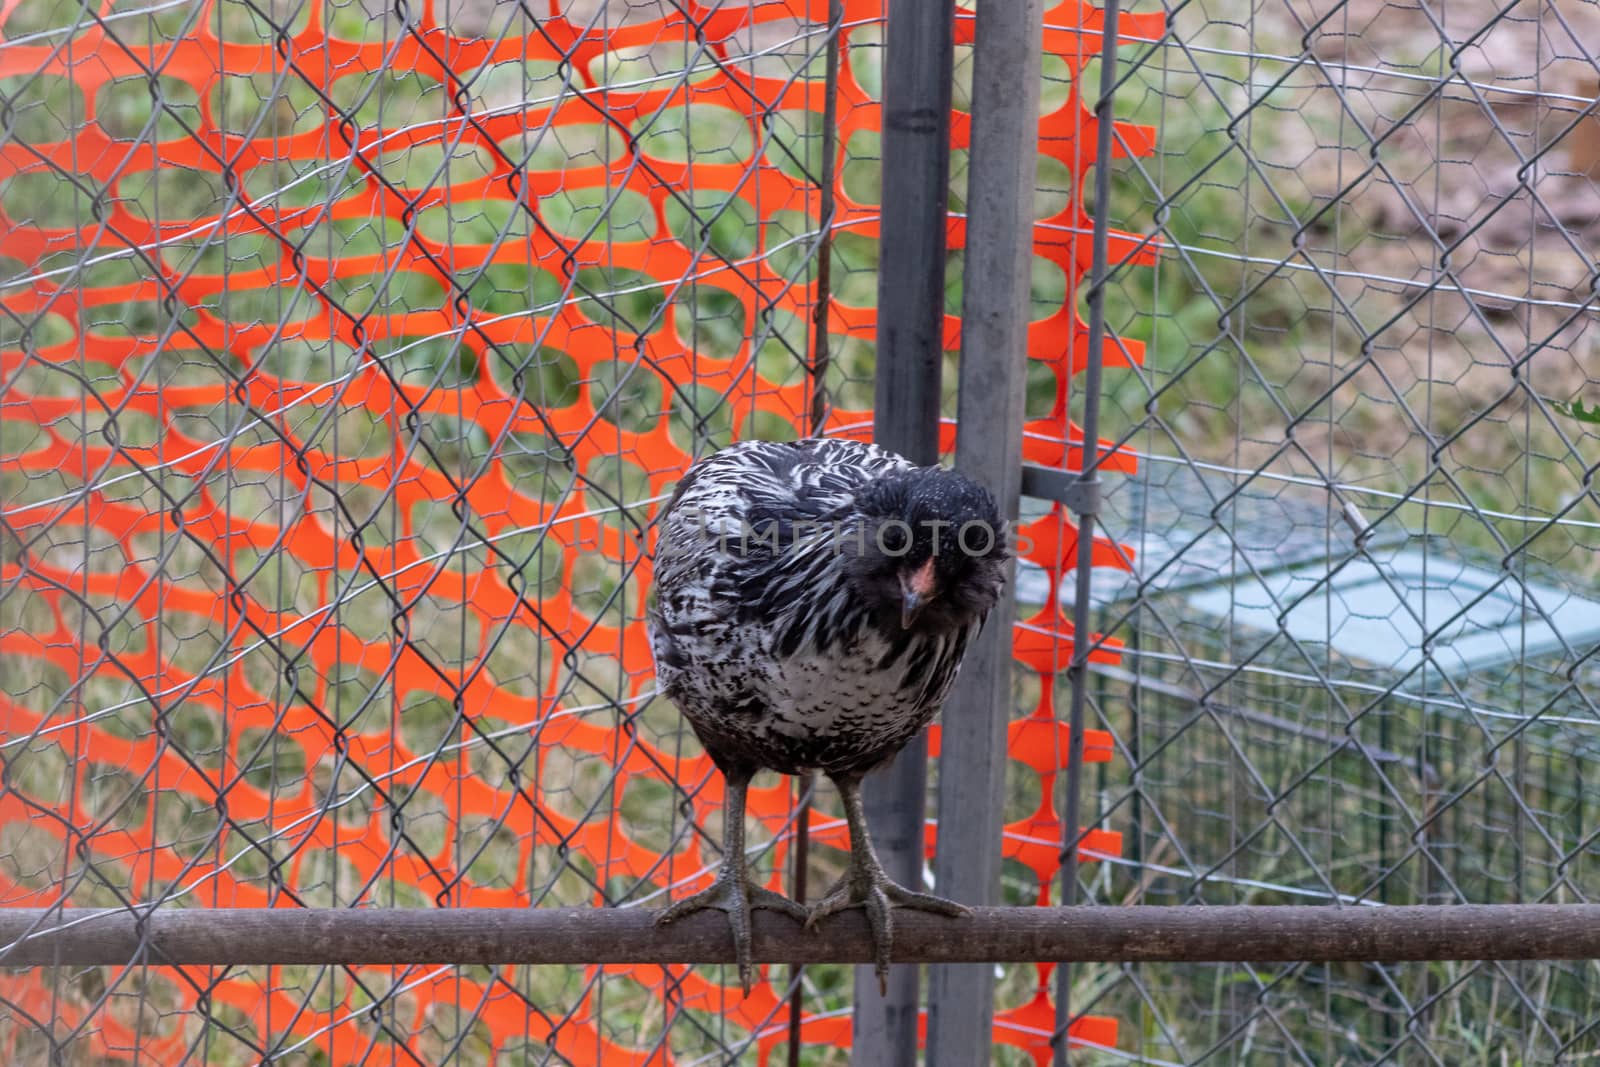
[(1140, 934)]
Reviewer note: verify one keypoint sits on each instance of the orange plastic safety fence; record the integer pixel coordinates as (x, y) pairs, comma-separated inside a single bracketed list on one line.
[(346, 355)]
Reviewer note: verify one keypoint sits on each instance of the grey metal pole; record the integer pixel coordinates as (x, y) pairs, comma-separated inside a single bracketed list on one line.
[(917, 66), (995, 311), (821, 316), (1088, 503)]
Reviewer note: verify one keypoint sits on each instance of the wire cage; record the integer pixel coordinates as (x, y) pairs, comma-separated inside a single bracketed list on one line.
[(1294, 744)]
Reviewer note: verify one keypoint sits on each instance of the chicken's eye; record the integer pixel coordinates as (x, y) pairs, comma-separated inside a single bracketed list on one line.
[(894, 538)]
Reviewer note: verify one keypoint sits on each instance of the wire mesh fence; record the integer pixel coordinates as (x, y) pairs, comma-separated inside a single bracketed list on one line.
[(1360, 626), (346, 353)]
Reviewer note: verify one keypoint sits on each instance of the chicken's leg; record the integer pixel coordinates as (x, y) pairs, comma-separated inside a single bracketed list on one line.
[(865, 885), (732, 893)]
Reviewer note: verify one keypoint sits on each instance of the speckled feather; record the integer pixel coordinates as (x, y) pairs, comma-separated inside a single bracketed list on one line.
[(774, 653)]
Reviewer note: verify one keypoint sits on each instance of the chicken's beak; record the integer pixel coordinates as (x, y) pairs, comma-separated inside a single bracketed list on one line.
[(916, 589), (910, 608)]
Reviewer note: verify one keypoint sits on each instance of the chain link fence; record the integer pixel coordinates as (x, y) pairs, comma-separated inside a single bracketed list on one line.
[(1361, 619), (346, 353), (348, 349)]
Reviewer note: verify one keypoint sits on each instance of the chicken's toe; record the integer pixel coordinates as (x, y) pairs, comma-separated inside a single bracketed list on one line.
[(736, 898)]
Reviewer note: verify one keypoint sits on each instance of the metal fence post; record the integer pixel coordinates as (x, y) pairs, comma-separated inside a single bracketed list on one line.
[(994, 345), (917, 69), (1088, 507)]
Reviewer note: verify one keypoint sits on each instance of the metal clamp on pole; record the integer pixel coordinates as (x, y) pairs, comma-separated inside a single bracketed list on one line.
[(1079, 493)]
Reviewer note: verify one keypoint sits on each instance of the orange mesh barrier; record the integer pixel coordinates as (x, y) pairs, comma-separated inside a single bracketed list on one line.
[(346, 356)]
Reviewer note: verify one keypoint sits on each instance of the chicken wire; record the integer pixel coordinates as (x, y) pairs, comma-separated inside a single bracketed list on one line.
[(1360, 622), (347, 353), (286, 618)]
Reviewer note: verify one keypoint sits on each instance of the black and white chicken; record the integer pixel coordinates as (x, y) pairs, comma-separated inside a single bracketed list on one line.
[(813, 601)]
